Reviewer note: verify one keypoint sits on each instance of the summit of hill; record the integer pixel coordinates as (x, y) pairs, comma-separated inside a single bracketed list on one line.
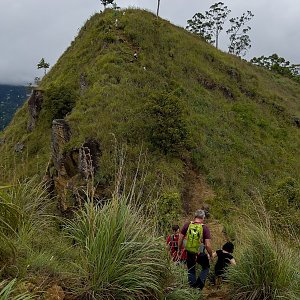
[(200, 124)]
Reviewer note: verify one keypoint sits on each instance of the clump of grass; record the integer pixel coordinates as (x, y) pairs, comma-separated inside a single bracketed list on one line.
[(268, 268), (27, 230), (8, 291), (178, 288), (21, 208), (120, 256)]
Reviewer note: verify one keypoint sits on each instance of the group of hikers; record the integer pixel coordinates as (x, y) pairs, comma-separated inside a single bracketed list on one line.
[(192, 245)]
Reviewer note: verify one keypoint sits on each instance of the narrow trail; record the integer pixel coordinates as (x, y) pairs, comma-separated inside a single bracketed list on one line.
[(214, 294), (196, 195)]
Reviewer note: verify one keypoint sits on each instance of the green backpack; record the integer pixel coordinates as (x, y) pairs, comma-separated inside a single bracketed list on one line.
[(194, 237)]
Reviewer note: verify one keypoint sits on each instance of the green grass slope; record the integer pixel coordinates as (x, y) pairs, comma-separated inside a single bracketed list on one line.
[(182, 101)]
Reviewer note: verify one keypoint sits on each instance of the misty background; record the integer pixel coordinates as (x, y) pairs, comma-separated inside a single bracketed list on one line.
[(32, 29)]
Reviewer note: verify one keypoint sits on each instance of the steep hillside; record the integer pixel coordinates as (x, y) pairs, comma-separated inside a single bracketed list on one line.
[(188, 106)]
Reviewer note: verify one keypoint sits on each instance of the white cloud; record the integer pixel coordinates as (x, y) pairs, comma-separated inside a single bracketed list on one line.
[(32, 29)]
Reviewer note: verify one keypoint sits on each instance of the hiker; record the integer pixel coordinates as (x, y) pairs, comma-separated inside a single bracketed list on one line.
[(225, 259), (197, 241), (172, 244)]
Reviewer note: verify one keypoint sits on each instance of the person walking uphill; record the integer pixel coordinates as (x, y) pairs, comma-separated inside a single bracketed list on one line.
[(197, 241)]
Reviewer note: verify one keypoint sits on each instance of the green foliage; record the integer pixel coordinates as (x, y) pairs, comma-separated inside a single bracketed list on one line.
[(30, 239), (238, 118), (210, 25), (169, 210), (277, 65), (9, 219), (8, 292), (166, 123), (43, 65), (229, 230), (120, 256), (178, 288), (239, 39), (267, 267), (21, 207), (59, 101), (286, 194)]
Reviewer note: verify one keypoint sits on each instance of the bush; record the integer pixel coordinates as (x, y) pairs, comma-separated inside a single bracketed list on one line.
[(59, 101), (120, 257), (21, 207), (26, 231), (167, 129), (169, 210), (267, 267)]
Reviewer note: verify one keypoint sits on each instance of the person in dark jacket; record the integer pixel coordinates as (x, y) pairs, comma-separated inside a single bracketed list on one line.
[(225, 259)]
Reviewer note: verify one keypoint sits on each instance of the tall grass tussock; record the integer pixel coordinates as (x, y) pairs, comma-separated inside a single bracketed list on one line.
[(268, 266), (8, 292), (121, 258)]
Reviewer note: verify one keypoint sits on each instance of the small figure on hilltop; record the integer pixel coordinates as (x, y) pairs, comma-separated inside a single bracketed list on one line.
[(198, 240), (172, 244), (225, 259)]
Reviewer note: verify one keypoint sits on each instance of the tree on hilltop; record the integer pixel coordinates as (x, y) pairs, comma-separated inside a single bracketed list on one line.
[(277, 64), (210, 24), (239, 39), (43, 65)]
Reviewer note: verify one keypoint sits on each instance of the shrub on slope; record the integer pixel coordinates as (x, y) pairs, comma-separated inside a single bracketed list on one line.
[(120, 256), (267, 265)]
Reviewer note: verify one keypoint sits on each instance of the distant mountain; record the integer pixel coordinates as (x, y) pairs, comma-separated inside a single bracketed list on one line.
[(11, 98)]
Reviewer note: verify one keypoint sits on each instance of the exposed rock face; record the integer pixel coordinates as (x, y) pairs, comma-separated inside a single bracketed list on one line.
[(34, 107), (60, 135), (70, 171)]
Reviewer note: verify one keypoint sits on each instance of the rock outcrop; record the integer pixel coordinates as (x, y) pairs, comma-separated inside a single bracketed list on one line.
[(34, 107), (71, 171), (61, 134)]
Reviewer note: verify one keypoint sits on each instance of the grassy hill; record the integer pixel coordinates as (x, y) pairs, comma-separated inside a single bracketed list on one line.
[(179, 124), (185, 104)]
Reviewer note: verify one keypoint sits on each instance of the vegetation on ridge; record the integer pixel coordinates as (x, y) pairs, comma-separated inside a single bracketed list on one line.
[(232, 122), (235, 123), (268, 266)]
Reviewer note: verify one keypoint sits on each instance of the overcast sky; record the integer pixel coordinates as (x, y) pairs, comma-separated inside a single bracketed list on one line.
[(32, 29)]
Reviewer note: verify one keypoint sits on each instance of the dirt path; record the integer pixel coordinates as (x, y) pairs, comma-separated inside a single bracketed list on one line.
[(198, 194), (213, 294)]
